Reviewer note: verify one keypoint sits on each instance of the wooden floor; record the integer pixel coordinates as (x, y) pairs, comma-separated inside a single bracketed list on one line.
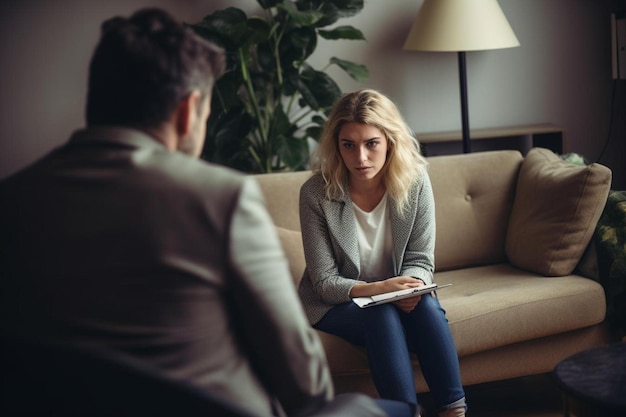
[(535, 396)]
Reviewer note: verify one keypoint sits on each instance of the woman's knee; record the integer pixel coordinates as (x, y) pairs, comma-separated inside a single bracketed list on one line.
[(382, 318), (383, 312), (428, 310), (430, 303)]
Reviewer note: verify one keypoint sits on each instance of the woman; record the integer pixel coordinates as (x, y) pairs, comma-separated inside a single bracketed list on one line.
[(368, 227)]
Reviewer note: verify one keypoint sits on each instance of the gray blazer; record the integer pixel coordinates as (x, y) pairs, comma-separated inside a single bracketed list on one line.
[(331, 246), (113, 240)]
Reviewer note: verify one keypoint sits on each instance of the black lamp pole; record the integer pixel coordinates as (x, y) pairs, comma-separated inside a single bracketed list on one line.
[(467, 148)]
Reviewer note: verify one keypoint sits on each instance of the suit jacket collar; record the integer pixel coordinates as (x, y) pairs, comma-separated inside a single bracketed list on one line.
[(120, 135)]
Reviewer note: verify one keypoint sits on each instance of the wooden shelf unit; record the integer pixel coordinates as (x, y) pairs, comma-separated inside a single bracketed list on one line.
[(509, 137)]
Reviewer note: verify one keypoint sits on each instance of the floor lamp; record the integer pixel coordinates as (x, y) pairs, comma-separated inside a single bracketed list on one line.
[(460, 26)]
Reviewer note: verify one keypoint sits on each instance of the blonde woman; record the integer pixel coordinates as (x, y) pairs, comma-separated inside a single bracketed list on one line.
[(368, 227)]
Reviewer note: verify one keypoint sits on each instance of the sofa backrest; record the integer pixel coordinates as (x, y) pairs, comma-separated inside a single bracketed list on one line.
[(474, 196), (282, 196), (473, 200)]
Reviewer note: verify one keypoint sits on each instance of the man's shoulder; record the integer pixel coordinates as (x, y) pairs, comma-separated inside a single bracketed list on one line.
[(191, 172)]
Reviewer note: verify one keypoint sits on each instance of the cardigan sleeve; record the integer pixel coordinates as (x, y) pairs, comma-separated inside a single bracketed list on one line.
[(323, 256), (419, 255)]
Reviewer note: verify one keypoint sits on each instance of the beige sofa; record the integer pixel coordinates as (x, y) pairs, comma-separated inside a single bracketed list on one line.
[(510, 234)]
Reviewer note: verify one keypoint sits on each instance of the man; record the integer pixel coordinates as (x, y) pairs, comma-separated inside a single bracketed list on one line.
[(122, 238)]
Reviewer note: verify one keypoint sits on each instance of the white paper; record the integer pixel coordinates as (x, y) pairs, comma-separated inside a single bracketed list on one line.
[(396, 295)]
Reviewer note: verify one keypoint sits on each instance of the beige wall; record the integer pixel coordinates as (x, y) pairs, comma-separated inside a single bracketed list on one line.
[(560, 74)]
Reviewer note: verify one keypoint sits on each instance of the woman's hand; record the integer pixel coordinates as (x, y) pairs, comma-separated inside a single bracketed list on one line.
[(408, 304), (400, 283), (368, 289)]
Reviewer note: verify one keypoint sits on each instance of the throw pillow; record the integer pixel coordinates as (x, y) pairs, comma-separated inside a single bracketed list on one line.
[(557, 206), (291, 241)]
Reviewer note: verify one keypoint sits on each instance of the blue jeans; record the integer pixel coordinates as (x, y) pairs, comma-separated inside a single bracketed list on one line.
[(388, 335)]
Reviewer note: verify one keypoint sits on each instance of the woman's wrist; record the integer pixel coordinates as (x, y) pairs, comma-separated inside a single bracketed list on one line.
[(366, 289)]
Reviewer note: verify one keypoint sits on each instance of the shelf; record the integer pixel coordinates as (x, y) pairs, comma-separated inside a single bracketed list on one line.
[(508, 137)]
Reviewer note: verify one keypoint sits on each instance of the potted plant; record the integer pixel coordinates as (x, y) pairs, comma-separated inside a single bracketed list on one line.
[(271, 101)]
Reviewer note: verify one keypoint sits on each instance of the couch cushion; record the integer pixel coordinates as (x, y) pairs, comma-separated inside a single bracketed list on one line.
[(490, 307), (497, 305), (291, 241), (557, 206), (473, 200)]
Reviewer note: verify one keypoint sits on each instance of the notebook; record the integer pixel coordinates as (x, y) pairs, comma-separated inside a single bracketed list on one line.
[(389, 297)]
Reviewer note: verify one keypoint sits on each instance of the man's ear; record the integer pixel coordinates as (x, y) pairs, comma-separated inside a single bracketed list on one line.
[(187, 112)]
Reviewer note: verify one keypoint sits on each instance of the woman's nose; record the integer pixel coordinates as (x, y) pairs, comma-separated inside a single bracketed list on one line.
[(362, 154)]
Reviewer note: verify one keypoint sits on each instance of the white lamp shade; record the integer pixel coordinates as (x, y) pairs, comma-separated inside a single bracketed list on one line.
[(460, 25)]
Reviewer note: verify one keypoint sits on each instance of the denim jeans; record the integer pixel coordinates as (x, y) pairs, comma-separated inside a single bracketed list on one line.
[(388, 335)]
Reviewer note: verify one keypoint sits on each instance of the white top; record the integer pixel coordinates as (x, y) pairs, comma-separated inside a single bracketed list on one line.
[(373, 230)]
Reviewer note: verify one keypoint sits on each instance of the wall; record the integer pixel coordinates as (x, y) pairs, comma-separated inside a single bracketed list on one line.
[(560, 74)]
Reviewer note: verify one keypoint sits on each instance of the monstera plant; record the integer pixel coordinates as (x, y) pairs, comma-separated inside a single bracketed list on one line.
[(271, 101)]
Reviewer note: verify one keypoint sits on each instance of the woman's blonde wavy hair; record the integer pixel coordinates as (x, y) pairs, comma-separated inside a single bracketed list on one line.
[(404, 163)]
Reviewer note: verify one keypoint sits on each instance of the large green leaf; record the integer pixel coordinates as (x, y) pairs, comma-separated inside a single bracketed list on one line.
[(342, 32), (291, 76), (323, 88), (263, 84), (225, 92), (232, 57), (320, 86), (359, 72), (332, 10), (331, 15), (298, 81), (301, 17), (280, 122), (293, 152), (318, 119), (266, 4), (266, 57), (314, 132), (226, 137), (228, 27), (297, 45), (347, 8), (258, 30)]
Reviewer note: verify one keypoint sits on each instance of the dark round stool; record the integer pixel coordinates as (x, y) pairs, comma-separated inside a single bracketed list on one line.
[(594, 381)]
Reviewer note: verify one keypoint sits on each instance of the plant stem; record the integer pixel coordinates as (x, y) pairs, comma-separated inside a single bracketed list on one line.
[(255, 156), (302, 116), (251, 93), (291, 101), (277, 39)]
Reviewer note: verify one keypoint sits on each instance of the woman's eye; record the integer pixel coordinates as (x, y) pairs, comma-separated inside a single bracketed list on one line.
[(372, 144), (348, 145)]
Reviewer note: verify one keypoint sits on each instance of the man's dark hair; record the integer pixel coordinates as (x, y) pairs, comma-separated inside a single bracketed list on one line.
[(144, 66)]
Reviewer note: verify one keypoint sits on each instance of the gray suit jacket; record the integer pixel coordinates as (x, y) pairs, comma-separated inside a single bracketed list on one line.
[(113, 240), (331, 246)]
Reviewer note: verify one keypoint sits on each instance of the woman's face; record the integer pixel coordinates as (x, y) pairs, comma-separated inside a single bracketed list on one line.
[(363, 149)]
